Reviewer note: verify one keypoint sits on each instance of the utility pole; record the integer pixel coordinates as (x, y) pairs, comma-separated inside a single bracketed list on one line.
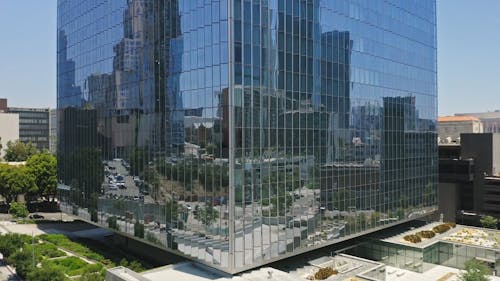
[(33, 247)]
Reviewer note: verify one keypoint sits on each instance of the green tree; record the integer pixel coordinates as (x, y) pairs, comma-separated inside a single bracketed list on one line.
[(344, 198), (43, 167), (12, 242), (18, 151), (84, 182), (15, 180), (374, 218), (22, 261), (214, 177), (46, 273), (475, 271), (18, 210), (206, 215), (489, 222)]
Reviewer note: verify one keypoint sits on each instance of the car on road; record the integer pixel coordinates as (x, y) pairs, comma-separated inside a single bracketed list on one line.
[(121, 185), (36, 216)]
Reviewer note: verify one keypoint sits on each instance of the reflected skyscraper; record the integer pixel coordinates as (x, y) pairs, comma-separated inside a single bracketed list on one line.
[(239, 132)]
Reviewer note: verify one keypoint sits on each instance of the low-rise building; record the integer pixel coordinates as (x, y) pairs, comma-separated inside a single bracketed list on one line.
[(33, 125), (490, 120), (9, 129), (450, 127)]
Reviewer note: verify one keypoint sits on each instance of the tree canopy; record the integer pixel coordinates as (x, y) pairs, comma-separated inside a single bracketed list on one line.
[(16, 180), (46, 273), (489, 222), (18, 151), (475, 271), (43, 167)]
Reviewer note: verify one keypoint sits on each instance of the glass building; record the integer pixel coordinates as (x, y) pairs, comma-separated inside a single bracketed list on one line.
[(240, 132)]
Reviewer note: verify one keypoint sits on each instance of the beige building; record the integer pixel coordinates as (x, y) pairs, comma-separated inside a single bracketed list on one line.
[(9, 129), (450, 127)]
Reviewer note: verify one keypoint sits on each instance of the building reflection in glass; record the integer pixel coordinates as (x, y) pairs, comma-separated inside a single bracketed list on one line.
[(240, 132)]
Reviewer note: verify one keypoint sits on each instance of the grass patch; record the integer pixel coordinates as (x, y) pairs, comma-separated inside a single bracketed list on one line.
[(73, 266), (44, 251), (64, 242)]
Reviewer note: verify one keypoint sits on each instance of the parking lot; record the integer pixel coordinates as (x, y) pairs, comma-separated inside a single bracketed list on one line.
[(120, 184)]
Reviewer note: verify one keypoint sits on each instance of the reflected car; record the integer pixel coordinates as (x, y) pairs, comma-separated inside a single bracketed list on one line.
[(36, 216)]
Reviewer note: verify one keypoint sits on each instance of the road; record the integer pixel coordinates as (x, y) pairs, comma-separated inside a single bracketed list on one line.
[(6, 274)]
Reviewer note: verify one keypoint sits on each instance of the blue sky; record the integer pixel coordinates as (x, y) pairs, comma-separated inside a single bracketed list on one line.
[(468, 54)]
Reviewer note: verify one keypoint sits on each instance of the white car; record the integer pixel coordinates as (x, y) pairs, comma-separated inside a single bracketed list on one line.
[(113, 186)]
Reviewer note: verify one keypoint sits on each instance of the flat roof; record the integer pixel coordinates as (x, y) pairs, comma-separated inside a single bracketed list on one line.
[(460, 234), (399, 238), (457, 118)]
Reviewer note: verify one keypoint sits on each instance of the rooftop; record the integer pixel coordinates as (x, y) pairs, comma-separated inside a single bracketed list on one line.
[(457, 118)]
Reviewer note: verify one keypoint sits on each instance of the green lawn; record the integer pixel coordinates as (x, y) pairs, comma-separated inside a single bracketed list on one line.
[(73, 266)]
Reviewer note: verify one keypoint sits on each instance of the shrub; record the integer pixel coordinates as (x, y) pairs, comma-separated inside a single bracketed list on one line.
[(112, 223), (442, 228), (412, 238), (72, 266), (451, 224), (46, 274), (63, 242), (425, 234), (10, 243), (18, 210), (152, 238), (22, 261), (47, 250), (93, 215), (324, 273), (91, 277), (139, 229)]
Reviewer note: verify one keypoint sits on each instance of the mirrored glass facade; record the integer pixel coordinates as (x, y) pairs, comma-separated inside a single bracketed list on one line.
[(239, 132)]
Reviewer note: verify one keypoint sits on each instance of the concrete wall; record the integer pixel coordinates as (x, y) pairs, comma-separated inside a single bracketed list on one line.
[(9, 129), (496, 155)]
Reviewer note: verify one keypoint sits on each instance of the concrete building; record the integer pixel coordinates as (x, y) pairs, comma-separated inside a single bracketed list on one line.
[(33, 125), (450, 127), (53, 131), (3, 105), (491, 120), (9, 129), (469, 178)]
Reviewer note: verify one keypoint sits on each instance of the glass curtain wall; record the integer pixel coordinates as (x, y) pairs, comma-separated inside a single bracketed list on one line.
[(237, 132)]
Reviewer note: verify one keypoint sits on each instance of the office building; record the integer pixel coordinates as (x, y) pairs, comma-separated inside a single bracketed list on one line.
[(450, 127), (53, 131), (33, 125), (490, 120), (469, 177), (240, 132), (3, 105), (9, 130)]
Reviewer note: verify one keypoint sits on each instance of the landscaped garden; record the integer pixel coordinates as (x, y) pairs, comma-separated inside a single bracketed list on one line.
[(428, 234), (55, 257), (477, 237)]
